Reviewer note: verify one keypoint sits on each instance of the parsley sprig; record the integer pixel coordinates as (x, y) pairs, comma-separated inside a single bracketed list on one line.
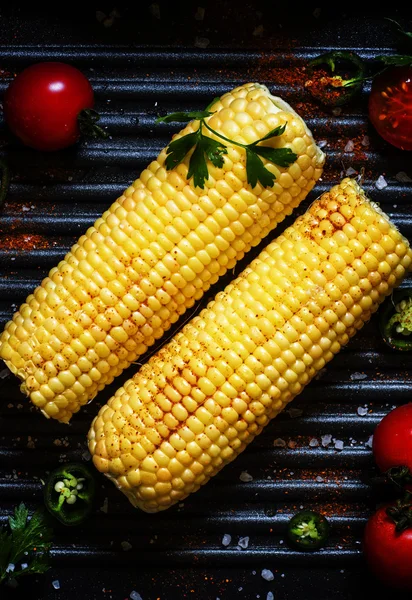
[(206, 147), (25, 549)]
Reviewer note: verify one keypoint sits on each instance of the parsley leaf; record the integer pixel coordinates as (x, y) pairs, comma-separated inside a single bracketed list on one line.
[(213, 150), (256, 170), (28, 541), (401, 30), (197, 166), (206, 147), (178, 149), (396, 60), (274, 133), (283, 157), (185, 117)]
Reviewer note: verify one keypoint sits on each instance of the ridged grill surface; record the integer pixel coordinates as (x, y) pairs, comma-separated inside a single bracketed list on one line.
[(178, 554)]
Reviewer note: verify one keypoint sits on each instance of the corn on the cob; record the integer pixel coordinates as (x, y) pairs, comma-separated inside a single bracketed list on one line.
[(198, 403), (157, 249)]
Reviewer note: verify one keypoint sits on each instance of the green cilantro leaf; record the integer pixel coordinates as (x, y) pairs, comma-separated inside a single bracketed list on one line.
[(256, 170), (184, 117), (279, 156), (28, 541), (396, 60), (178, 149)]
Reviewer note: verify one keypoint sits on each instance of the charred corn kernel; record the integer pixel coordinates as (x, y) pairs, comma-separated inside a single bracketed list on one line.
[(251, 350), (157, 249)]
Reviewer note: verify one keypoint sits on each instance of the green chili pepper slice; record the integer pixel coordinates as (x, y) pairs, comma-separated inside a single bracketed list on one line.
[(69, 493), (334, 90), (308, 530), (395, 320)]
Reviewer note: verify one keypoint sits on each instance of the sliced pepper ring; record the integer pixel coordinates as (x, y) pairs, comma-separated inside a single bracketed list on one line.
[(308, 530), (69, 493), (395, 320), (334, 90)]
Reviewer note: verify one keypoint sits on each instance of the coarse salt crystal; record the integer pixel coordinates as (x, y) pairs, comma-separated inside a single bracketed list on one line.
[(369, 442), (245, 477), (202, 42), (381, 183), (350, 146), (339, 445), (10, 568), (351, 171), (135, 596), (24, 566), (279, 443), (326, 440), (56, 584), (270, 596), (226, 539), (358, 376), (403, 177), (267, 575), (25, 208), (365, 141), (362, 411), (4, 373), (243, 542), (313, 443), (322, 144), (319, 479)]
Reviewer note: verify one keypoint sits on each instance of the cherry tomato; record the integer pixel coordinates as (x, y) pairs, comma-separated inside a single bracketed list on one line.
[(42, 104), (387, 551), (390, 106), (392, 439)]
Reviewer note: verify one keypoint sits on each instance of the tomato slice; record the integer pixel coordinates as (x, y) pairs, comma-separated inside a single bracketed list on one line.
[(390, 106)]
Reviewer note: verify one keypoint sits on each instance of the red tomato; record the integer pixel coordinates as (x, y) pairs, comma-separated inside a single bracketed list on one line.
[(390, 106), (388, 553), (42, 104), (392, 439)]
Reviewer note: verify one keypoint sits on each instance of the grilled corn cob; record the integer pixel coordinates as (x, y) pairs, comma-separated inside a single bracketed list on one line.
[(157, 249), (204, 396)]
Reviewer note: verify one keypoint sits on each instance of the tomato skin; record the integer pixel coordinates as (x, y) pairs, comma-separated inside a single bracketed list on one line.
[(388, 553), (392, 439), (390, 106), (42, 104)]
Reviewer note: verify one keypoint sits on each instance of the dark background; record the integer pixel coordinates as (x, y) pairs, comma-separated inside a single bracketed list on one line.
[(141, 66)]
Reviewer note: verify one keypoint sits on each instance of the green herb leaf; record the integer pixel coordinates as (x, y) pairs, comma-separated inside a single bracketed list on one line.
[(214, 150), (283, 157), (401, 30), (274, 133), (396, 60), (19, 520), (198, 167), (256, 170), (178, 149), (29, 540), (185, 117)]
